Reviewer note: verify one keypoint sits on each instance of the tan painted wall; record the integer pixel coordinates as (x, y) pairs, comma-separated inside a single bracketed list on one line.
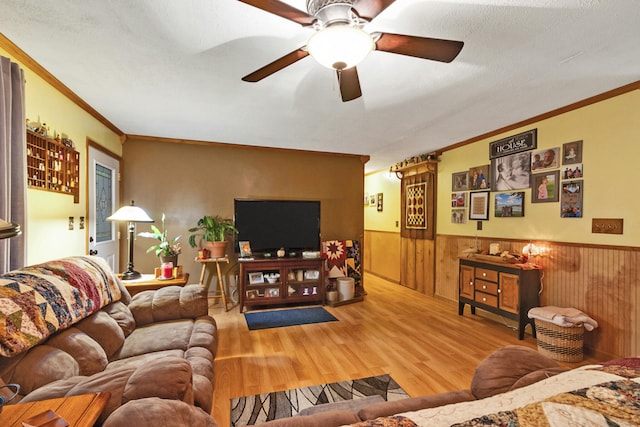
[(188, 181)]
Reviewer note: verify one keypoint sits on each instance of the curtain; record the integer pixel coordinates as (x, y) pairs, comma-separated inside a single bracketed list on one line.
[(13, 163)]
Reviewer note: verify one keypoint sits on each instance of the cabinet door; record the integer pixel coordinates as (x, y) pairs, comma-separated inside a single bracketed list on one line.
[(509, 291), (467, 275)]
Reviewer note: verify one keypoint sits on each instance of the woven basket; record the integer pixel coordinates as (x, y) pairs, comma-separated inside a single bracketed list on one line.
[(560, 342)]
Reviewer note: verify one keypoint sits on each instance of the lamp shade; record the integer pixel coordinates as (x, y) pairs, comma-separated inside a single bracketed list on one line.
[(340, 46), (130, 213)]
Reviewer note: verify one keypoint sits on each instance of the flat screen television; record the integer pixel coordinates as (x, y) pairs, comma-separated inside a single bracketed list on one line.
[(269, 225)]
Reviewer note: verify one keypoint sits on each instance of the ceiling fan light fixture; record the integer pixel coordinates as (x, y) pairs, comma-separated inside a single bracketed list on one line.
[(340, 46)]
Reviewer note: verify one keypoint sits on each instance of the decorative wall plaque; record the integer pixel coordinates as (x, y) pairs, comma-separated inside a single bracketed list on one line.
[(416, 206)]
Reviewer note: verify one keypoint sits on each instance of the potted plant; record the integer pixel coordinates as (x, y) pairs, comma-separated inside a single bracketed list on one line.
[(167, 249), (212, 231)]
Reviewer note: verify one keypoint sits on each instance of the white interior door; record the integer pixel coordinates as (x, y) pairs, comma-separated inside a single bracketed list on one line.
[(103, 201)]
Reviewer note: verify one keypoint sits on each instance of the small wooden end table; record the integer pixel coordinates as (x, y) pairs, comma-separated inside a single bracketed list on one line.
[(148, 282), (221, 291), (79, 411)]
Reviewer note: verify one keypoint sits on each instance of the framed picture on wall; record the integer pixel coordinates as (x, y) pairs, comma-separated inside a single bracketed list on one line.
[(572, 153), (480, 177), (479, 205), (573, 171), (571, 199), (509, 205), (458, 200), (544, 187), (458, 216), (511, 172), (460, 181), (545, 159)]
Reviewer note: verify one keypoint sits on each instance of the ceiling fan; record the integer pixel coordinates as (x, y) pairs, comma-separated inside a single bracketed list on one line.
[(340, 42)]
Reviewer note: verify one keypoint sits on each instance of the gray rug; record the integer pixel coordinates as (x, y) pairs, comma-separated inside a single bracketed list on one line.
[(250, 410)]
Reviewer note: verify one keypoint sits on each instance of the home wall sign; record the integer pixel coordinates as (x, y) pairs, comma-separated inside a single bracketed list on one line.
[(514, 144)]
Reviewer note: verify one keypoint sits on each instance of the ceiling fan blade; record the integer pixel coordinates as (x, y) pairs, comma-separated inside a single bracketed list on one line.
[(349, 84), (420, 47), (369, 9), (276, 65), (283, 10)]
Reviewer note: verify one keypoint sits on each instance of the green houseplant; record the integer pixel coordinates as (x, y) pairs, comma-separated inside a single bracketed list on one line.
[(212, 230), (167, 249)]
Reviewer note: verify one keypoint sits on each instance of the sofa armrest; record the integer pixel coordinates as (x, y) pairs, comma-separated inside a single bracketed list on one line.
[(321, 419), (385, 409), (153, 412), (169, 303)]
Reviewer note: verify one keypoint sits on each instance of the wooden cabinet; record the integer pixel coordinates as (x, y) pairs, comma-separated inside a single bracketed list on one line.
[(504, 289), (295, 280), (52, 166)]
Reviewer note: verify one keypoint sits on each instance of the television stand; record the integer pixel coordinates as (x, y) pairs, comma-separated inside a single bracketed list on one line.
[(295, 281)]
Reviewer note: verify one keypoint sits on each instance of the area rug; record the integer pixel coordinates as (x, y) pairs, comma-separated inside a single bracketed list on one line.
[(289, 317), (250, 410)]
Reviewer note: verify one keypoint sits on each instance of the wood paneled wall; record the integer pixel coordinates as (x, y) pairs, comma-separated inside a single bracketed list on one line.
[(603, 282)]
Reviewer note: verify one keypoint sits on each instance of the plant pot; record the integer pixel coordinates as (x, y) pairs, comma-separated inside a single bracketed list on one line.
[(217, 249)]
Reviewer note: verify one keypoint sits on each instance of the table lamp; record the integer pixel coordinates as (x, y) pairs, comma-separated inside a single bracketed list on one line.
[(8, 229), (131, 214)]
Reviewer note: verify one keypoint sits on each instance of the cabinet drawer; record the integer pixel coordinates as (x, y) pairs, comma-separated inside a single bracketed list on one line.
[(483, 273), (488, 287), (487, 299)]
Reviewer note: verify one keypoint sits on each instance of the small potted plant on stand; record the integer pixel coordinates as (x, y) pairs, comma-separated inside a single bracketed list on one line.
[(212, 231), (168, 249)]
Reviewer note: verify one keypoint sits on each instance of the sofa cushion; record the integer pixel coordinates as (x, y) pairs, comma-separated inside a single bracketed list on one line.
[(85, 350), (41, 365), (503, 368), (169, 303), (148, 412), (172, 335), (105, 330), (122, 315)]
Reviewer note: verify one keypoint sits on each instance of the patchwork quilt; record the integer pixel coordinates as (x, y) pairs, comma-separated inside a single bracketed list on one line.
[(599, 396), (39, 300)]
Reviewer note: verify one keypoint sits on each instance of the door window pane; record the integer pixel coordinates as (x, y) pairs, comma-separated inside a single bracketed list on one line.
[(104, 206)]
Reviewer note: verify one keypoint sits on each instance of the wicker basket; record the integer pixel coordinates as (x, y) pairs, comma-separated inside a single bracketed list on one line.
[(559, 342)]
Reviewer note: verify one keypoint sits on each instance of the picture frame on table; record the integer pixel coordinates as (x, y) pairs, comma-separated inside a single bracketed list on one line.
[(245, 249), (479, 205), (256, 278), (545, 187), (272, 292)]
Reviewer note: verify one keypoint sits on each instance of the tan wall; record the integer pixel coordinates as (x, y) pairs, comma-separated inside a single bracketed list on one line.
[(188, 181)]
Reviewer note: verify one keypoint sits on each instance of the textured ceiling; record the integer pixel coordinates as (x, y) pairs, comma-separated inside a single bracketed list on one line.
[(172, 69)]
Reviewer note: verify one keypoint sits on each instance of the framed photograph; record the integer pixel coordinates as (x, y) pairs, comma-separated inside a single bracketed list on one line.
[(311, 274), (544, 187), (252, 294), (272, 292), (480, 178), (511, 172), (460, 181), (256, 278), (479, 205), (245, 249), (372, 200), (571, 199), (458, 216), (545, 159), (573, 171), (509, 205), (572, 153), (458, 200), (379, 202)]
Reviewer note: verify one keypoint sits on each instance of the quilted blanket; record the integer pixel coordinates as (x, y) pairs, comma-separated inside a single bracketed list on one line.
[(39, 300), (598, 396)]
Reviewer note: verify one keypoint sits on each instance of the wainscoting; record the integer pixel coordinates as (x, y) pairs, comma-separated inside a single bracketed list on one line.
[(601, 281)]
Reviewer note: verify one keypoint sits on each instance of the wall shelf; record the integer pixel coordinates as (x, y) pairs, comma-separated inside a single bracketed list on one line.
[(52, 166)]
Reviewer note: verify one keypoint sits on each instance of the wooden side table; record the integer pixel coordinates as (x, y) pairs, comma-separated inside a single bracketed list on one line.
[(148, 282), (79, 411), (221, 291)]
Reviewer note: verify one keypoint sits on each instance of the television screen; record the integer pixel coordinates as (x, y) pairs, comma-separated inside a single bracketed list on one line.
[(269, 225)]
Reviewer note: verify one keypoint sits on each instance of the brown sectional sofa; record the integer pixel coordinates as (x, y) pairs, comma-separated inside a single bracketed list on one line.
[(156, 347)]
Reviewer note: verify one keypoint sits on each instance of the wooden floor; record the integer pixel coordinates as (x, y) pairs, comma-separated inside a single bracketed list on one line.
[(419, 340)]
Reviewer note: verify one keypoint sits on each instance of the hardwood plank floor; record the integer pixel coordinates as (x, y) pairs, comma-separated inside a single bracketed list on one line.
[(419, 340)]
